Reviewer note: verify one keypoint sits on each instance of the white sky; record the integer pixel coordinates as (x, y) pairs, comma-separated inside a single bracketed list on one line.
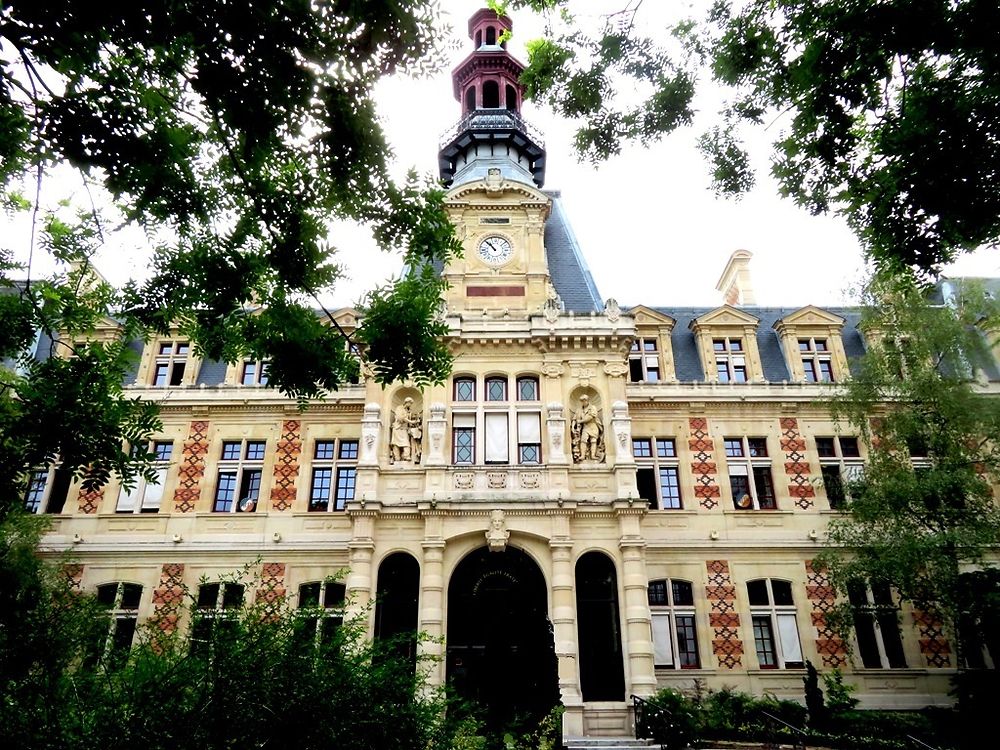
[(648, 224)]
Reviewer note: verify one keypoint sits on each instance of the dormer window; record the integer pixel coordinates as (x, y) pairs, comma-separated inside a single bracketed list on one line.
[(817, 363), (171, 360), (814, 350), (644, 361), (730, 360)]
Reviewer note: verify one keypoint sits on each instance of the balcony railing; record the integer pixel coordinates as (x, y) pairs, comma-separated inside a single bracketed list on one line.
[(492, 119)]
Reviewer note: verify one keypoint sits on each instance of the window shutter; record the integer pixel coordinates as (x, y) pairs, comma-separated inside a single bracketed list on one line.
[(496, 438)]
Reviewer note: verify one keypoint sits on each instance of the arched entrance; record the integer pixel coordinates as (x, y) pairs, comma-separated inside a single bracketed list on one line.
[(500, 648), (602, 671), (396, 601)]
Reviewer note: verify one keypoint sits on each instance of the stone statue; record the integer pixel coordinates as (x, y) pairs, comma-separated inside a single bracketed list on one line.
[(400, 441), (416, 436), (587, 432), (497, 534)]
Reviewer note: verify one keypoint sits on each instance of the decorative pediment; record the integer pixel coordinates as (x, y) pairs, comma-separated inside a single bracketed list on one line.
[(724, 316), (647, 316), (346, 317), (810, 315), (488, 194)]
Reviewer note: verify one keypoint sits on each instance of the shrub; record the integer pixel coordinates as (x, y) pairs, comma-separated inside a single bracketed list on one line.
[(682, 719)]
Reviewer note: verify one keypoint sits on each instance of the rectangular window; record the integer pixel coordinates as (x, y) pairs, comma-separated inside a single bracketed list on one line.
[(816, 360), (750, 473), (497, 438), (730, 360), (254, 372), (763, 638), (527, 389), (241, 472), (334, 475), (657, 475), (47, 490), (675, 643), (465, 389), (463, 438), (644, 361), (170, 362), (876, 626), (775, 630), (146, 496), (529, 438), (839, 464)]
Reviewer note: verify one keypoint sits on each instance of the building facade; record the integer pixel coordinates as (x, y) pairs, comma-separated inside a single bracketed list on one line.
[(599, 502)]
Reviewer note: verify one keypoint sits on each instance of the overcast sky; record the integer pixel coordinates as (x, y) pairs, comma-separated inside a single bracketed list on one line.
[(649, 226)]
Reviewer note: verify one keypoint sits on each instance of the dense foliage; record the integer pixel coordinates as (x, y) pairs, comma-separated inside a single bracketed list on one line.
[(887, 113), (258, 677), (923, 515), (232, 133)]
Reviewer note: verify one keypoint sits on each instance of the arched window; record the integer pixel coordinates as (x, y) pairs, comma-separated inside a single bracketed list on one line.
[(675, 640), (479, 39), (511, 94), (775, 632), (496, 389), (491, 95), (397, 600), (527, 388), (470, 98), (602, 670), (465, 389), (491, 35)]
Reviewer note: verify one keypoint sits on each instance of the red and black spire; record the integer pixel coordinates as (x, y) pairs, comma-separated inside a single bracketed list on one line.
[(491, 134)]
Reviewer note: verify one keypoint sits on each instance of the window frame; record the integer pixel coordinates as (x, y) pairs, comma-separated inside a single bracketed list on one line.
[(816, 359), (756, 468), (848, 468), (117, 615), (326, 616), (208, 616), (644, 363), (875, 613), (138, 496), (773, 614), (169, 361), (44, 485), (660, 460), (673, 613), (241, 468), (342, 466), (497, 432), (733, 360), (259, 376)]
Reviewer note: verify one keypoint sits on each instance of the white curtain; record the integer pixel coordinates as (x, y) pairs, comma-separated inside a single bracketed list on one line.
[(663, 646), (789, 635), (497, 438), (528, 428)]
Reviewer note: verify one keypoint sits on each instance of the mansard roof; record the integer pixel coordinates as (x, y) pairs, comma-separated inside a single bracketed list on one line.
[(570, 275)]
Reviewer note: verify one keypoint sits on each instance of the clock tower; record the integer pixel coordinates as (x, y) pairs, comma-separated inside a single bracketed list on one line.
[(494, 164)]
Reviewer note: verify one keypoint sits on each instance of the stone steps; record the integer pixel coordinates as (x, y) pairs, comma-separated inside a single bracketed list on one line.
[(607, 743)]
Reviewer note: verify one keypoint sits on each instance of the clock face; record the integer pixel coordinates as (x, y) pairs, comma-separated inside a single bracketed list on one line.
[(495, 250)]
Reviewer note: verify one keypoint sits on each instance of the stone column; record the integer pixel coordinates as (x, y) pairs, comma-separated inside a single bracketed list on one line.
[(564, 625), (556, 424), (638, 632), (434, 434), (431, 621), (360, 582)]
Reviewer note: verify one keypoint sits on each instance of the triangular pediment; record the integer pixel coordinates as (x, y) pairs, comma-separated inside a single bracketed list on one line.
[(346, 317), (810, 315), (727, 315), (647, 316)]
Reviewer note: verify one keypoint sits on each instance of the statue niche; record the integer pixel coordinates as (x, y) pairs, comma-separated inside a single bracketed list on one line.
[(406, 433), (587, 433)]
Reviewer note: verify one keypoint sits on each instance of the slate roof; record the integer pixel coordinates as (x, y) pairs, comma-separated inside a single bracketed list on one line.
[(570, 275)]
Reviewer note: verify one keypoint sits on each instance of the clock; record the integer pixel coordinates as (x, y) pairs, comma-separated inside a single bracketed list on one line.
[(495, 250)]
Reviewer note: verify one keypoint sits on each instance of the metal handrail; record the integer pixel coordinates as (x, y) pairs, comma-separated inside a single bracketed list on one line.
[(800, 733), (493, 119), (920, 743), (648, 713)]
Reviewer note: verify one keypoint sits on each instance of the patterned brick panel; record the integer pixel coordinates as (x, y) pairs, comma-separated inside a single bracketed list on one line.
[(168, 598), (286, 465), (90, 500), (192, 468), (796, 466), (822, 598), (933, 644), (272, 591), (706, 487), (73, 573), (723, 617)]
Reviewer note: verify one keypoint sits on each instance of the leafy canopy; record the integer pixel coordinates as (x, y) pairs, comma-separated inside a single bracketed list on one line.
[(887, 113), (924, 512), (233, 133)]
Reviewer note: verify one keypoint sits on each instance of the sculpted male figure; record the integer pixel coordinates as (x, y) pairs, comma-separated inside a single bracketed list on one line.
[(587, 430), (399, 441)]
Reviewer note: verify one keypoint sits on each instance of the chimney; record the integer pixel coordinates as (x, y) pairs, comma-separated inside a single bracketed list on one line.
[(735, 284)]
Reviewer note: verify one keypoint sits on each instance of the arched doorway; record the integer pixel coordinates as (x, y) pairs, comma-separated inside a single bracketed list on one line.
[(500, 648), (602, 670), (398, 593)]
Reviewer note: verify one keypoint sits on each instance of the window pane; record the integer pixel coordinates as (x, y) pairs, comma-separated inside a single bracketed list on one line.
[(805, 345), (656, 593), (734, 447), (825, 371), (649, 345), (319, 495), (232, 595), (208, 595), (324, 449), (687, 642), (741, 491), (106, 594), (529, 453), (722, 368), (764, 486), (719, 345), (645, 480), (496, 389), (464, 444), (465, 389), (249, 373), (791, 649), (683, 593), (670, 492), (255, 450), (231, 450), (225, 492), (529, 428), (163, 450), (335, 595), (527, 389), (61, 479), (825, 447), (757, 592), (177, 373), (666, 449), (849, 447), (889, 627), (758, 447), (249, 490), (641, 448), (834, 485), (309, 595), (36, 490), (820, 345), (153, 495), (864, 630), (782, 591), (127, 500), (131, 594), (346, 483), (635, 374), (348, 450), (739, 373), (735, 345), (763, 638)]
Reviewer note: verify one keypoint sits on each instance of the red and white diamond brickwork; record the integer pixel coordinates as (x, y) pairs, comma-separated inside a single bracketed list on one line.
[(723, 617), (796, 467), (192, 468), (703, 467), (823, 598), (286, 465)]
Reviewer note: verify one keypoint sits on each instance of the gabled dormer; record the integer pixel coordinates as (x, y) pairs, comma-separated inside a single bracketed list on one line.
[(651, 358), (813, 344), (727, 342)]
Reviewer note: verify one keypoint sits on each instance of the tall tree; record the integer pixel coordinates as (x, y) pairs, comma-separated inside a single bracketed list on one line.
[(924, 514), (886, 112), (233, 133)]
